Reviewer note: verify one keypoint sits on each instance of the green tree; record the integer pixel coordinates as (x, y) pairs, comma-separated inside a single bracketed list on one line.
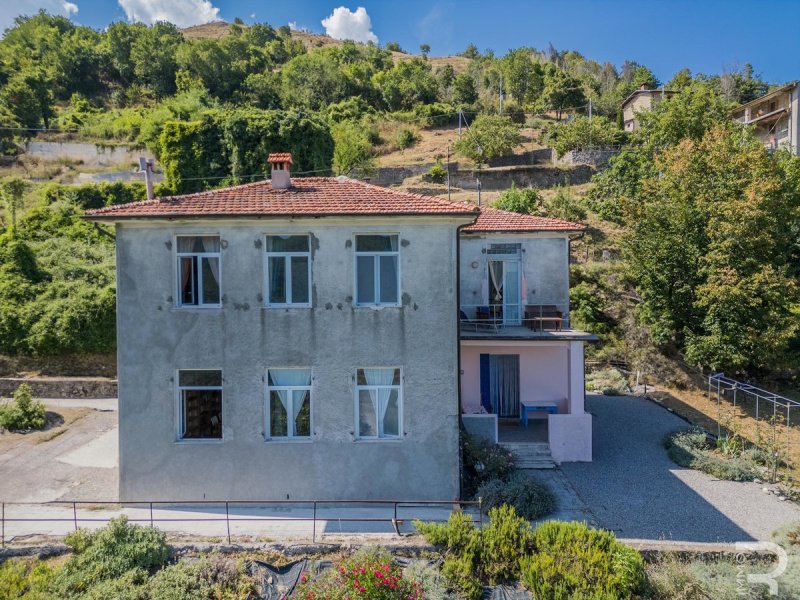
[(464, 92), (522, 76), (710, 247), (583, 132), (313, 81), (488, 137), (526, 201), (153, 54), (12, 191), (561, 91), (394, 47), (352, 150), (424, 49), (408, 83)]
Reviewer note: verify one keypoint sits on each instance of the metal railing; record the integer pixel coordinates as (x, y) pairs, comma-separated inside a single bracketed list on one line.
[(314, 508), (761, 401), (481, 316)]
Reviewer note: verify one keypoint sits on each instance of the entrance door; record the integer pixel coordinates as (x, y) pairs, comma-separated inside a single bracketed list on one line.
[(505, 291), (500, 384)]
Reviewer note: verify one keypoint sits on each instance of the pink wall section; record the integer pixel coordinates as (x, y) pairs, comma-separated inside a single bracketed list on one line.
[(544, 373)]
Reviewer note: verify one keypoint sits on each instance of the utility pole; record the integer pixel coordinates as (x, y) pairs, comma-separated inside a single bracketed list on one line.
[(448, 172), (478, 185), (460, 112)]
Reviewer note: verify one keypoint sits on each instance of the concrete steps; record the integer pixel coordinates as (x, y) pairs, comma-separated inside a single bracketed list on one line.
[(530, 455)]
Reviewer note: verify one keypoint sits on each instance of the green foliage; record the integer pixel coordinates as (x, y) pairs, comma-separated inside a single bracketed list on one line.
[(437, 114), (488, 137), (368, 574), (406, 138), (583, 132), (25, 579), (12, 192), (573, 561), (351, 110), (563, 205), (109, 553), (23, 413), (352, 149), (482, 461), (691, 449), (526, 201), (437, 173), (609, 382), (531, 499), (561, 91), (464, 92), (433, 583), (408, 83)]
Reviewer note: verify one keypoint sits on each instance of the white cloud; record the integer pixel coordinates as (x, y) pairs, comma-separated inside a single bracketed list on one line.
[(183, 13), (344, 24), (11, 10)]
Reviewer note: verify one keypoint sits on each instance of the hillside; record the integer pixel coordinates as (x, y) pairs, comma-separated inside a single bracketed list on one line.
[(220, 29)]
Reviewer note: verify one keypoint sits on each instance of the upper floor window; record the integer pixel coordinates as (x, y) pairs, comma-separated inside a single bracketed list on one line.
[(200, 405), (199, 270), (288, 270), (379, 403), (377, 270), (288, 403)]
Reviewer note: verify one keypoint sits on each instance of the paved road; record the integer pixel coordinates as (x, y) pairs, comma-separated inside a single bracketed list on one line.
[(633, 488), (78, 464)]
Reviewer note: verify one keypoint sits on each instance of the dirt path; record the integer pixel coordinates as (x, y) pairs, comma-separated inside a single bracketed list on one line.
[(76, 461)]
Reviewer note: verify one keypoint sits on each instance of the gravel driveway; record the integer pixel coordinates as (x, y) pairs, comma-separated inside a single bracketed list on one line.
[(634, 489)]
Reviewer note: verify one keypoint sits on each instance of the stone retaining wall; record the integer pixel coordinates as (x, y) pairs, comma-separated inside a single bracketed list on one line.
[(62, 387)]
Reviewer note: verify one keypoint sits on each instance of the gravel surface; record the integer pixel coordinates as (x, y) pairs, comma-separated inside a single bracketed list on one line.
[(634, 489)]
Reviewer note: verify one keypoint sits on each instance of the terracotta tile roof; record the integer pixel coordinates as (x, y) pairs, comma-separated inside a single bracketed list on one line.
[(280, 157), (494, 219), (308, 196)]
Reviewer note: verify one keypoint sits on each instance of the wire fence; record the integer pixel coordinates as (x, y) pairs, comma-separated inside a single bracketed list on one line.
[(297, 518)]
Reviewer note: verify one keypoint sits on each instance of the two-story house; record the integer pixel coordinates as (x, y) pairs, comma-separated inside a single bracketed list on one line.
[(773, 117), (642, 100), (300, 339)]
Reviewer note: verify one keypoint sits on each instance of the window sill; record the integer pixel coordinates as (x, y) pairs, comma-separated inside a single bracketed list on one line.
[(199, 441), (377, 306), (201, 307), (384, 440), (282, 306), (288, 441)]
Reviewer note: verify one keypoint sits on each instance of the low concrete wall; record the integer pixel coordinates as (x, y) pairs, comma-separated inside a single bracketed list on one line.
[(534, 176), (62, 387), (532, 157), (570, 437), (481, 425), (91, 155)]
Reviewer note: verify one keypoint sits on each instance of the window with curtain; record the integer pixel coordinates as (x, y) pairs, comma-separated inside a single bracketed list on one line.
[(379, 403), (200, 404), (198, 270), (377, 270), (288, 270), (288, 410)]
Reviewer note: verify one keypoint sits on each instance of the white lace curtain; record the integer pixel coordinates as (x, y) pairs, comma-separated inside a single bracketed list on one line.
[(380, 396), (291, 378)]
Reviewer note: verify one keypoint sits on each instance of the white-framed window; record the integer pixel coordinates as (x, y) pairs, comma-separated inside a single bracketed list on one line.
[(379, 403), (288, 409), (288, 276), (377, 270), (199, 277), (199, 404)]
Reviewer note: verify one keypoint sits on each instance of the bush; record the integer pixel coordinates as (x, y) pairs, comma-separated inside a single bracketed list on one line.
[(109, 553), (482, 461), (367, 574), (406, 138), (437, 173), (609, 382), (430, 578), (530, 499), (563, 205), (23, 413), (25, 579), (583, 132), (489, 136), (435, 115), (526, 201), (570, 560), (691, 449)]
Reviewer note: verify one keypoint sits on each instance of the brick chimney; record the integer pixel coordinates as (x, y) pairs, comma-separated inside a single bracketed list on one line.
[(281, 163), (644, 86)]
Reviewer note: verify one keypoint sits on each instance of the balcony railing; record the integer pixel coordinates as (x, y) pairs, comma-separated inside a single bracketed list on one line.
[(494, 317)]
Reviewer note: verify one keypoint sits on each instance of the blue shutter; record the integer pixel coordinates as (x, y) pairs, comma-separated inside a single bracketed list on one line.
[(486, 400)]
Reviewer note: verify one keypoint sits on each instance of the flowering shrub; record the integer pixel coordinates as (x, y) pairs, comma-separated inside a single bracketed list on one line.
[(483, 461), (367, 575)]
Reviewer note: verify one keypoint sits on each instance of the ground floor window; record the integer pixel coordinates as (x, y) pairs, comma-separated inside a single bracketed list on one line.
[(379, 403), (200, 404), (288, 410)]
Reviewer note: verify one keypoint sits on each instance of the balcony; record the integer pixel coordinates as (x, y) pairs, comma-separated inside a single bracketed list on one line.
[(517, 322)]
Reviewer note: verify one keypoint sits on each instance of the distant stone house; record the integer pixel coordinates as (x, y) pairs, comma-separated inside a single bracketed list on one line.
[(641, 100), (303, 338), (773, 117)]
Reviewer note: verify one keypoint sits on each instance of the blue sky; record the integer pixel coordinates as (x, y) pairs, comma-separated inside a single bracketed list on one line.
[(665, 35)]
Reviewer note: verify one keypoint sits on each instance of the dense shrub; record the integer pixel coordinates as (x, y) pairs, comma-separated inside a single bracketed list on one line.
[(94, 195), (691, 449), (430, 578), (406, 138), (609, 382), (25, 579), (526, 201), (529, 498), (482, 461), (583, 132), (109, 553), (437, 173), (570, 560), (435, 115), (23, 413), (367, 574), (563, 205), (489, 136)]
